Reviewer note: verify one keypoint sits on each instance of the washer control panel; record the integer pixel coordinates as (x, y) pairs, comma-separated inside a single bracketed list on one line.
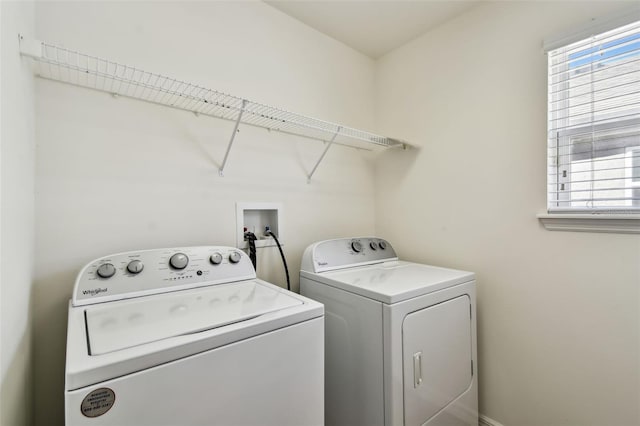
[(346, 252), (140, 273)]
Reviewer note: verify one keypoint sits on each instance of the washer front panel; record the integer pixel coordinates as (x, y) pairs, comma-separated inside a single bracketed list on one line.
[(271, 379)]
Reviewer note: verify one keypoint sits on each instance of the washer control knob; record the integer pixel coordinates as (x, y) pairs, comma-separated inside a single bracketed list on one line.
[(216, 258), (356, 246), (235, 257), (135, 266), (382, 245), (179, 261), (373, 245), (106, 270)]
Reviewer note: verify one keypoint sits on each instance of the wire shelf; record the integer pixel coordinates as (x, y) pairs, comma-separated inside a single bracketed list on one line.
[(72, 67)]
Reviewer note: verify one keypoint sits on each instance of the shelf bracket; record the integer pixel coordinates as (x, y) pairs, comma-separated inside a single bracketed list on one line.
[(29, 47), (326, 148), (233, 136)]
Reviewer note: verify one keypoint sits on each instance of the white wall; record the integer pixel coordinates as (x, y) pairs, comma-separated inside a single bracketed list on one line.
[(558, 313), (117, 174), (559, 324), (16, 212)]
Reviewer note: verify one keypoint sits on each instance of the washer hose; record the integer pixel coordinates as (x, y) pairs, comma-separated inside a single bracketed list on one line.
[(284, 261), (251, 238)]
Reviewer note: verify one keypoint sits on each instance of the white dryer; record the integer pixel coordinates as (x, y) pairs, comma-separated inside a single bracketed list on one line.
[(400, 337), (189, 336)]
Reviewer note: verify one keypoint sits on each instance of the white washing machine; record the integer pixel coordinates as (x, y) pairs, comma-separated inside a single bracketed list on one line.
[(189, 336), (400, 337)]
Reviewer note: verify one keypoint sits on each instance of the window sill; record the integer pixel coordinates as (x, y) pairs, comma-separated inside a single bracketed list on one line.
[(611, 223)]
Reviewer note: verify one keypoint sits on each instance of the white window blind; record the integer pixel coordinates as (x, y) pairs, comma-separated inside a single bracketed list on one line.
[(594, 124)]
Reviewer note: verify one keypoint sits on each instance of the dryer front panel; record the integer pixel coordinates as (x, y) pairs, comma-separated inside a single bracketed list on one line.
[(437, 358)]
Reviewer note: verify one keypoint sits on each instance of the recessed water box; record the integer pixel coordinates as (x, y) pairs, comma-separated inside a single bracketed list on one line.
[(256, 217)]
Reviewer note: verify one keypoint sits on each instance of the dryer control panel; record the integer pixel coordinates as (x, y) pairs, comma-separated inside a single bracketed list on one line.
[(330, 255), (140, 273)]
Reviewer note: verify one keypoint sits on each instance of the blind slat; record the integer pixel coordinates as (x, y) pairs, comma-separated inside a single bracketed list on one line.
[(587, 89), (632, 106), (601, 142), (611, 100), (618, 68), (592, 64), (627, 170), (617, 188), (595, 123), (602, 199)]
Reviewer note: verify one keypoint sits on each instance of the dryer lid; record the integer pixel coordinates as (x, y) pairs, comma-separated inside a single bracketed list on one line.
[(115, 326), (394, 281)]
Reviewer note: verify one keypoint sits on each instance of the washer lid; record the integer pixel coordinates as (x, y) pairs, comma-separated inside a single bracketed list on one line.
[(394, 281), (121, 325)]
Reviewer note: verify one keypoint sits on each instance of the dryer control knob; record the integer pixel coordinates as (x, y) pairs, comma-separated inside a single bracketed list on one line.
[(179, 261), (356, 246), (382, 245), (106, 270), (135, 266), (216, 258), (373, 245), (234, 257)]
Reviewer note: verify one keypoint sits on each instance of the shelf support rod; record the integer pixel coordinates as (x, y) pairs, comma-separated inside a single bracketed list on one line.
[(326, 148), (233, 136)]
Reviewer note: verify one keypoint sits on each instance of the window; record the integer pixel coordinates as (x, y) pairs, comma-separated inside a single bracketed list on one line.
[(594, 124)]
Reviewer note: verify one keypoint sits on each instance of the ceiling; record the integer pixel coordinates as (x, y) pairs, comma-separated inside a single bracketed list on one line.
[(373, 27)]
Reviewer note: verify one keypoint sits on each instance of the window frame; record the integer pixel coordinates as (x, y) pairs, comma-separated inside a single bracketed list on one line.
[(608, 221)]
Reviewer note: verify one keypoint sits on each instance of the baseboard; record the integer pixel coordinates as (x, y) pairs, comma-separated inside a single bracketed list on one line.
[(486, 421)]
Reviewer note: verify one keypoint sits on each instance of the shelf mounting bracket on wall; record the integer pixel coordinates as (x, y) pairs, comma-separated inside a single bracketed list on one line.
[(233, 136), (79, 69), (326, 148)]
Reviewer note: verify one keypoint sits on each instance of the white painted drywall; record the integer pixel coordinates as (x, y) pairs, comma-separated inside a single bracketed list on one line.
[(17, 148), (118, 174), (558, 312)]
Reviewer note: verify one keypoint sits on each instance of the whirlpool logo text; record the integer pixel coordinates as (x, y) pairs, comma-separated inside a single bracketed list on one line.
[(94, 291)]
